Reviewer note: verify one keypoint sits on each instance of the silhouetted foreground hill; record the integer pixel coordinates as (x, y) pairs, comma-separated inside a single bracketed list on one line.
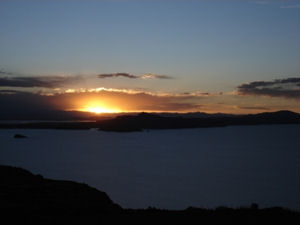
[(30, 199), (141, 121)]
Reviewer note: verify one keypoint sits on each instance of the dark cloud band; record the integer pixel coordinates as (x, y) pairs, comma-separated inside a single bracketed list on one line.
[(111, 75), (287, 88), (46, 82)]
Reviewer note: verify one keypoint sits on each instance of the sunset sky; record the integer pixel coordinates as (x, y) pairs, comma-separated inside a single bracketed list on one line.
[(239, 56)]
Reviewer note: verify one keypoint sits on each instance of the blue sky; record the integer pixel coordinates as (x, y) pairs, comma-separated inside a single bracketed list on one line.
[(208, 46)]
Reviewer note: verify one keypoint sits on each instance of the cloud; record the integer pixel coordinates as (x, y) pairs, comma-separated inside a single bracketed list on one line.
[(112, 75), (8, 91), (17, 101), (132, 76), (34, 81), (196, 94), (283, 4), (263, 2), (3, 72), (254, 107), (57, 81), (297, 6), (287, 88), (184, 95), (20, 103), (154, 76)]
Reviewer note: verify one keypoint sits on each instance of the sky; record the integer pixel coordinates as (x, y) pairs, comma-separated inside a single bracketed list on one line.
[(238, 56)]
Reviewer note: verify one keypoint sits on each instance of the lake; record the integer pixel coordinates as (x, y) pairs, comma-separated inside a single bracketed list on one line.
[(204, 167)]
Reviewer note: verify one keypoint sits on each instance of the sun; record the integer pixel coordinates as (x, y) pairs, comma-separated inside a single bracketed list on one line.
[(100, 109)]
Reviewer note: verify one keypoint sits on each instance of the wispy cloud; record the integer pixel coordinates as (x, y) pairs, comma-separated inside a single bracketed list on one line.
[(283, 4), (155, 76), (132, 76), (184, 95), (262, 2), (297, 6), (254, 107), (287, 88), (3, 72)]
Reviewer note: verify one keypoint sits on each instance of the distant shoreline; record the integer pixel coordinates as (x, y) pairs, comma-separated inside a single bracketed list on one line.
[(148, 121)]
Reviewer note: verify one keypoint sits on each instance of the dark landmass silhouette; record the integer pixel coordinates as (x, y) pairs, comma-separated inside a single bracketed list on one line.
[(19, 136), (151, 121), (31, 199), (146, 121), (51, 115)]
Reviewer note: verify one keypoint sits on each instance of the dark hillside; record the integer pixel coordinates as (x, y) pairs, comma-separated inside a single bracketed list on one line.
[(29, 199)]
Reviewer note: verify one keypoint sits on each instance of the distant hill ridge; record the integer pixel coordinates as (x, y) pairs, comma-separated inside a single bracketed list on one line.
[(146, 121), (155, 121)]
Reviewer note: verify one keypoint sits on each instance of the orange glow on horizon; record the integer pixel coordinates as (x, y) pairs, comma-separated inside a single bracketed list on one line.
[(103, 102)]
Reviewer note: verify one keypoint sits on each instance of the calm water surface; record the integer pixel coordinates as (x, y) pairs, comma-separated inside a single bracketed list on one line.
[(208, 167)]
